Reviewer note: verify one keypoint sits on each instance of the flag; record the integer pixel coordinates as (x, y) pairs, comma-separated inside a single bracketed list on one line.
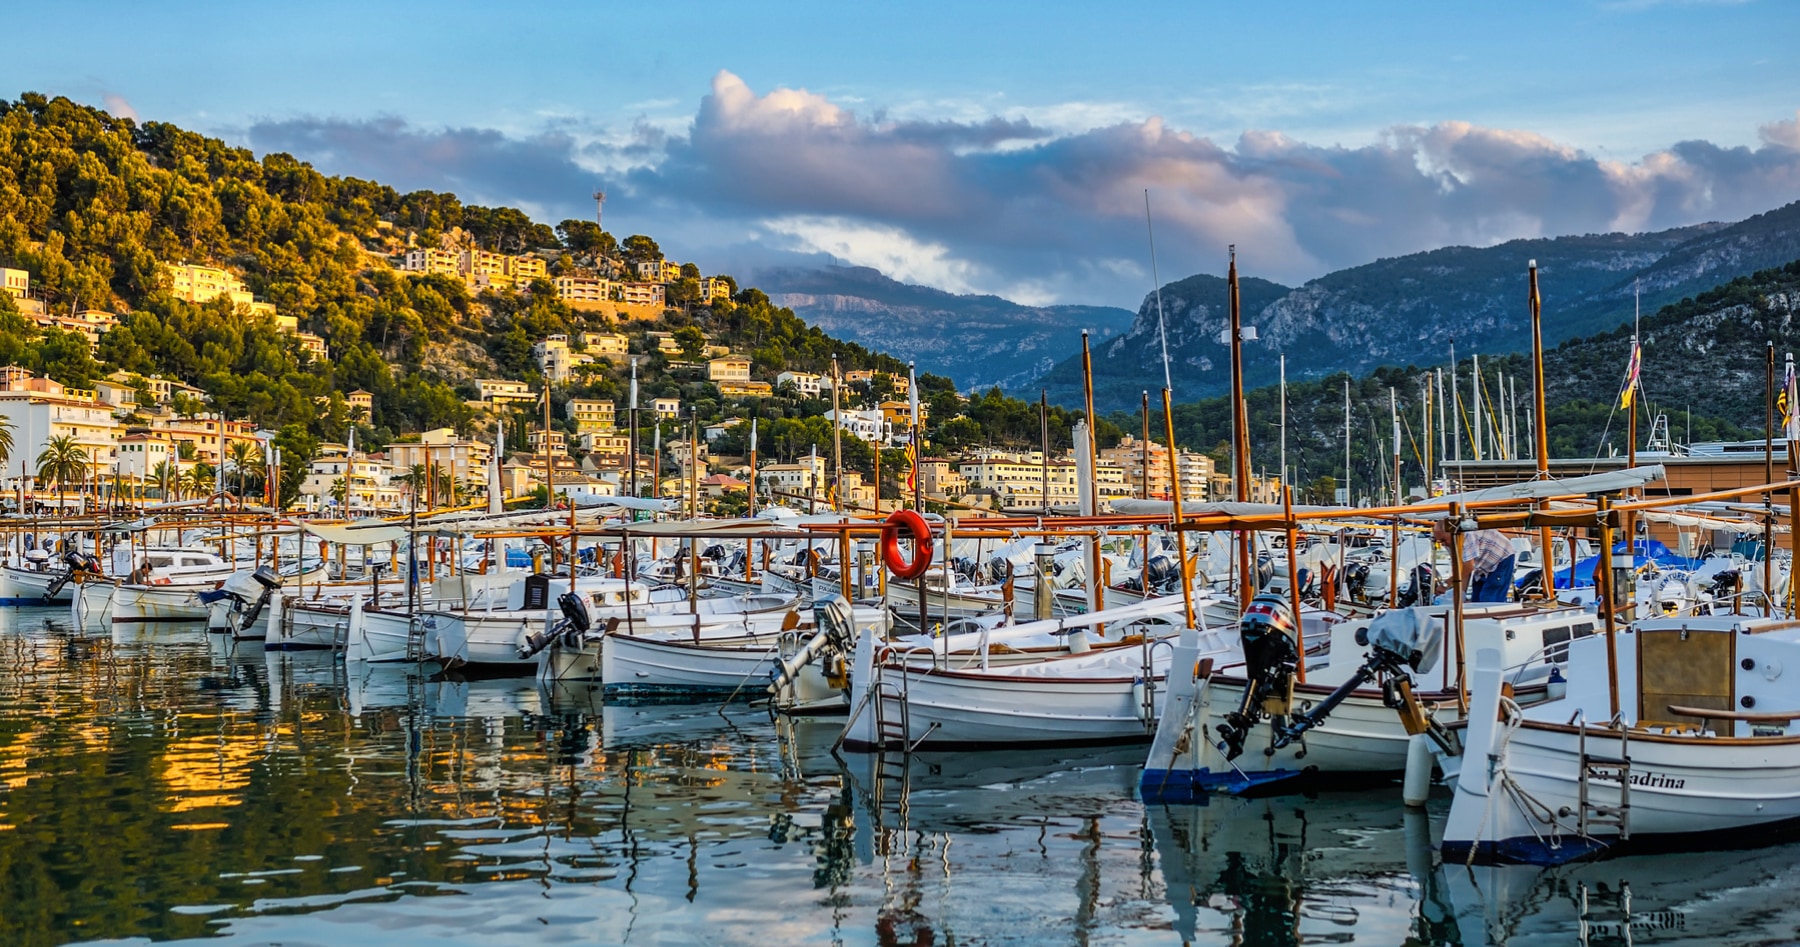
[(1789, 402), (1631, 376), (912, 463)]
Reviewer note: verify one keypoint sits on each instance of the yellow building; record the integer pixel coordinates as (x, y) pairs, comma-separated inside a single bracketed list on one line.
[(583, 291), (591, 415), (502, 391), (17, 283), (659, 271), (603, 343), (203, 284), (524, 269), (746, 389), (729, 369), (432, 260), (714, 287), (641, 294)]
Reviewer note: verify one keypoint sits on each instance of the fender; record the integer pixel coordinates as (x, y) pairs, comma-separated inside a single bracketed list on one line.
[(920, 533)]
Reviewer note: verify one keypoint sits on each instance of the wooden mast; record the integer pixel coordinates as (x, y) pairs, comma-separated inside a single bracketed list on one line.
[(1240, 438)]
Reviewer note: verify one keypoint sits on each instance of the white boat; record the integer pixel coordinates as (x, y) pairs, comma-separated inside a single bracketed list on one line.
[(1105, 696), (498, 636), (1703, 750), (660, 665), (1361, 736), (947, 597)]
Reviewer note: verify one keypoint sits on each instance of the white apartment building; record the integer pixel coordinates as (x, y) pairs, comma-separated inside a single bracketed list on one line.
[(366, 480), (868, 425), (139, 454), (556, 360), (40, 409), (463, 459), (806, 383)]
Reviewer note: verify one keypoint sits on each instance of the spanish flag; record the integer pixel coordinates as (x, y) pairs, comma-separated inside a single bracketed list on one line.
[(1631, 376)]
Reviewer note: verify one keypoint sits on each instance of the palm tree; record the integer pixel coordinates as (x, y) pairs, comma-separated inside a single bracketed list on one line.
[(166, 475), (244, 455), (414, 478), (6, 440), (62, 461), (198, 480), (340, 492)]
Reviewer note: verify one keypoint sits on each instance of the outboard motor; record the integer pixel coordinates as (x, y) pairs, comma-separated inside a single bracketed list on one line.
[(1271, 655), (574, 624), (1265, 570), (1725, 588), (1356, 580), (1164, 571), (79, 567), (1420, 588), (244, 614), (1399, 641)]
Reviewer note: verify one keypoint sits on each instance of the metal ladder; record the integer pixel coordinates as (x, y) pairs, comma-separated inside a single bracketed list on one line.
[(415, 639), (1591, 814)]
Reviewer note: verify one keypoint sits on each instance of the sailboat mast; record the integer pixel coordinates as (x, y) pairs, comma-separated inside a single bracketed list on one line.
[(1284, 470), (1394, 413), (1546, 553), (1348, 501), (1479, 421), (1240, 433)]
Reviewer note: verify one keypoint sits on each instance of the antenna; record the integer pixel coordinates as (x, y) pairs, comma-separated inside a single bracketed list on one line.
[(599, 207)]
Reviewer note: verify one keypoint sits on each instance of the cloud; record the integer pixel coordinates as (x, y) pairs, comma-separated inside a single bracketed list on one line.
[(1014, 202), (117, 106)]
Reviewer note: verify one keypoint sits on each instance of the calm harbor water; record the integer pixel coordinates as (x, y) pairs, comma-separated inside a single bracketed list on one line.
[(159, 785)]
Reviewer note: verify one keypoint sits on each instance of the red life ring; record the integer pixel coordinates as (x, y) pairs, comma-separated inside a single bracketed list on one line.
[(919, 531)]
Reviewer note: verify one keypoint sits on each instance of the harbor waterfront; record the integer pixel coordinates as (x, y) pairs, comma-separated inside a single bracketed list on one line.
[(164, 784)]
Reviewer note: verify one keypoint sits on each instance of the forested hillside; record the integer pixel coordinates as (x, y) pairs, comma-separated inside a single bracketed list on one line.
[(92, 205)]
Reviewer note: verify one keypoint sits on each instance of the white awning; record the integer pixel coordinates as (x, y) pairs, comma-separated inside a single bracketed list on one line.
[(1129, 507), (359, 533), (1613, 481)]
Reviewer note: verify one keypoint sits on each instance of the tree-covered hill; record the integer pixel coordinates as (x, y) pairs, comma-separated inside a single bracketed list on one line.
[(93, 206)]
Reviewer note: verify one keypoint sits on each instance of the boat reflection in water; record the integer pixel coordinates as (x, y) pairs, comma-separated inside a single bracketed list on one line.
[(208, 789)]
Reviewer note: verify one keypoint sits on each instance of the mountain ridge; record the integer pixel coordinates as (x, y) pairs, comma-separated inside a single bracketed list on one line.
[(978, 340), (1413, 308)]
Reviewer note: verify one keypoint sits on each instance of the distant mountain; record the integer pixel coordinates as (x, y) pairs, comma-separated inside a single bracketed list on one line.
[(1704, 354), (1411, 309), (977, 341)]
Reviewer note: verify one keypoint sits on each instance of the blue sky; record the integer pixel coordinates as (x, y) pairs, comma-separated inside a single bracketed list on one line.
[(998, 148)]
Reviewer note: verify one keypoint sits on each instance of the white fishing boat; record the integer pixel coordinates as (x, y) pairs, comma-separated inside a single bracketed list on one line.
[(1674, 733), (948, 596), (498, 636), (804, 667), (1105, 696)]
